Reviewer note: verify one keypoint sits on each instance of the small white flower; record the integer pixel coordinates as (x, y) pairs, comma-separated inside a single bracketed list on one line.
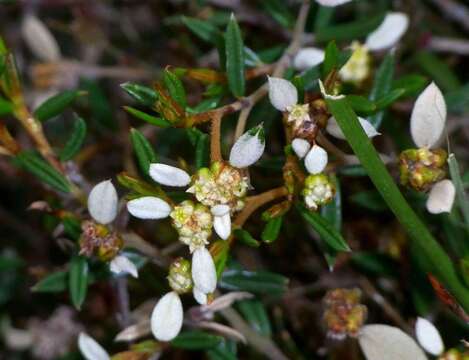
[(332, 3), (222, 220), (204, 273), (102, 202), (248, 148), (169, 175), (307, 58), (122, 264), (149, 207), (300, 147), (167, 316), (429, 337), (328, 96), (441, 197), (282, 93), (393, 27), (334, 129), (199, 296), (90, 349), (316, 160), (39, 39), (428, 117)]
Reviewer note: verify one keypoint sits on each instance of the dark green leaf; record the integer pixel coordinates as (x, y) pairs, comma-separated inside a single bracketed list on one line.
[(202, 151), (203, 29), (196, 340), (160, 122), (256, 315), (101, 109), (175, 88), (323, 18), (246, 238), (72, 227), (52, 283), (461, 197), (56, 104), (389, 99), (225, 350), (78, 280), (75, 141), (279, 11), (458, 100), (382, 84), (412, 84), (143, 94), (375, 264), (272, 229), (331, 58), (234, 48), (332, 212), (259, 282), (6, 107), (143, 150), (361, 104), (438, 70), (371, 200)]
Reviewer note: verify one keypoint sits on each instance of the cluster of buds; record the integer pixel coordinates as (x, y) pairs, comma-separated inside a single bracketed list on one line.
[(454, 354), (97, 239), (319, 190), (344, 314)]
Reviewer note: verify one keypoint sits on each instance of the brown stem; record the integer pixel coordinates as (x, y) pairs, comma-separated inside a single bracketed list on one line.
[(215, 139), (8, 141)]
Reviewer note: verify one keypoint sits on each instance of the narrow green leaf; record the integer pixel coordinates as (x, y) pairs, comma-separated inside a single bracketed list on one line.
[(175, 88), (225, 350), (140, 187), (279, 11), (375, 263), (72, 227), (36, 165), (272, 229), (143, 150), (78, 280), (143, 94), (101, 109), (52, 283), (332, 212), (202, 151), (323, 18), (429, 248), (203, 29), (413, 84), (458, 100), (160, 122), (258, 282), (361, 104), (234, 48), (371, 200), (256, 315), (389, 99), (461, 197), (331, 58), (6, 107), (246, 238), (438, 70), (75, 141), (196, 340), (56, 104)]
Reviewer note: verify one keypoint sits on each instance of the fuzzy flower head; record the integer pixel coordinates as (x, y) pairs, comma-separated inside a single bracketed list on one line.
[(179, 277), (358, 67), (193, 222), (318, 191), (97, 239)]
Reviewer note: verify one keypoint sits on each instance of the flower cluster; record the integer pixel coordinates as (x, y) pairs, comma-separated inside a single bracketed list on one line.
[(318, 190)]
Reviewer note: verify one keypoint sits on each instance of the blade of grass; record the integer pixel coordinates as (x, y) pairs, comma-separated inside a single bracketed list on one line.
[(461, 197)]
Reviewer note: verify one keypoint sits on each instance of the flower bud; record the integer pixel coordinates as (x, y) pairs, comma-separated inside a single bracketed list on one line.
[(282, 93), (298, 114), (102, 202), (316, 160), (204, 273), (358, 67), (307, 58), (318, 191), (248, 148), (179, 277), (90, 349), (222, 220), (300, 147), (166, 318), (122, 264), (429, 337), (169, 175), (149, 207), (393, 27)]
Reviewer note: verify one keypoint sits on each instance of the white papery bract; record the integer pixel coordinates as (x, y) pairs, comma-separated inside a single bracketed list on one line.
[(429, 337), (199, 296), (307, 58), (204, 274), (167, 316), (428, 117), (248, 148), (169, 175), (316, 160), (441, 197), (282, 93), (149, 207), (222, 220), (90, 349), (393, 27), (39, 39), (334, 129), (102, 202), (300, 147), (122, 264), (326, 95), (331, 3)]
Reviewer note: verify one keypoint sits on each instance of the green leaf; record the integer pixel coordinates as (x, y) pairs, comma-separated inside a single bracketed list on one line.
[(221, 256), (72, 227), (361, 104), (382, 84), (332, 212), (225, 350), (375, 263), (101, 110), (56, 104), (324, 228), (272, 229), (175, 88), (256, 315), (203, 29), (331, 58), (75, 141), (78, 280), (234, 48), (142, 94), (6, 107), (202, 151), (279, 11), (371, 200), (458, 100), (140, 187), (323, 18), (196, 340), (160, 122), (413, 84), (52, 283), (427, 246), (438, 70), (258, 282), (143, 150), (389, 99), (246, 238), (36, 165), (461, 197)]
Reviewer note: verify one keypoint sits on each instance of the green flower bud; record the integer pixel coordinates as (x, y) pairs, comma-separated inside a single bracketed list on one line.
[(318, 190), (179, 278)]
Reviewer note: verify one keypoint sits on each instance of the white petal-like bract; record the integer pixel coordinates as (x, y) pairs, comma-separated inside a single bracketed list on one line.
[(90, 349), (332, 3), (220, 210), (282, 93), (307, 58), (316, 160), (204, 274), (122, 264), (300, 147), (149, 207), (39, 39), (222, 226), (199, 296), (429, 337), (248, 148), (167, 316), (326, 95), (334, 129), (428, 117), (441, 197), (102, 202), (384, 342), (169, 175), (393, 27)]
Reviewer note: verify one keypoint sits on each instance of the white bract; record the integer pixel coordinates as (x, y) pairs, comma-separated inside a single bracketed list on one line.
[(316, 160), (334, 129), (384, 342), (282, 93), (122, 264), (300, 147), (222, 220), (204, 273), (441, 197), (167, 316), (390, 31), (326, 95), (169, 175), (248, 148), (90, 349), (199, 296), (39, 39), (331, 3), (102, 202), (149, 207), (428, 117), (307, 58), (429, 337)]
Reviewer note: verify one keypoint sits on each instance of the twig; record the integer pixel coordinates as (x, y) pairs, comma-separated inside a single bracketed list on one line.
[(449, 45), (123, 302), (454, 11), (215, 139)]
